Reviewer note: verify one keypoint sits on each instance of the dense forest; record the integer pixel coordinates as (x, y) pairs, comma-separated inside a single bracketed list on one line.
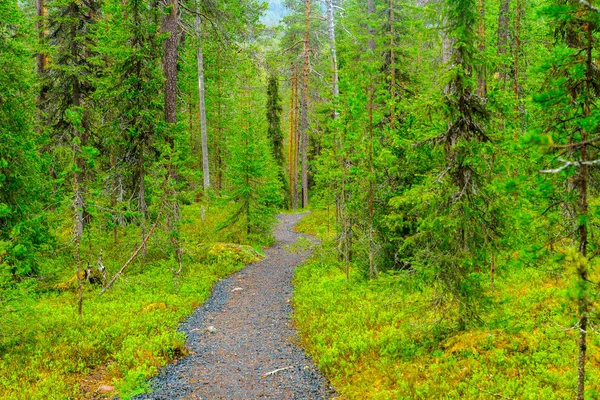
[(448, 152)]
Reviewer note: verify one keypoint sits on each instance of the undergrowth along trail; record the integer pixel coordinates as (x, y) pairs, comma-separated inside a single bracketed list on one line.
[(241, 340), (386, 339)]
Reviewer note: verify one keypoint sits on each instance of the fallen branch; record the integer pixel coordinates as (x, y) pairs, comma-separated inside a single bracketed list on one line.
[(277, 370), (135, 253)]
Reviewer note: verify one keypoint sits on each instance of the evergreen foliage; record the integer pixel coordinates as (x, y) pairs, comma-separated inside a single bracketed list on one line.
[(450, 150)]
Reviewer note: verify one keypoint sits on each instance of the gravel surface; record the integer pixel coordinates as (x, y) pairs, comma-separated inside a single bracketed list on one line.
[(241, 340)]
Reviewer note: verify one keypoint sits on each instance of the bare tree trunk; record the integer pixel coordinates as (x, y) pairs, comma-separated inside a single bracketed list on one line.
[(392, 66), (371, 12), (517, 86), (78, 202), (583, 211), (171, 52), (170, 26), (296, 136), (40, 26), (219, 131), (372, 267), (481, 76), (332, 46), (292, 141), (113, 195), (304, 111), (503, 39), (203, 134), (142, 206)]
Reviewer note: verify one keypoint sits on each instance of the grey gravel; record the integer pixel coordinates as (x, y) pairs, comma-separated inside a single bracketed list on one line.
[(241, 340)]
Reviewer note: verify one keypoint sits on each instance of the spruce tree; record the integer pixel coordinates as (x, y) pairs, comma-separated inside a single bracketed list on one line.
[(572, 126)]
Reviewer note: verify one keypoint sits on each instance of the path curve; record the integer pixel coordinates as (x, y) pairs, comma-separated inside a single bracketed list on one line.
[(252, 337)]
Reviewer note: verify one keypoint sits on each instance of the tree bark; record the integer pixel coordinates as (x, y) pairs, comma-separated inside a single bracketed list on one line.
[(171, 53), (332, 46), (40, 26), (292, 141), (201, 91), (170, 26), (304, 111), (296, 135), (481, 76), (517, 85), (583, 211), (392, 66), (78, 203), (372, 267), (503, 21)]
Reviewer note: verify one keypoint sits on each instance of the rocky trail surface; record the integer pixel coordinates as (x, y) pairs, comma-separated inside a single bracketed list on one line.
[(241, 340)]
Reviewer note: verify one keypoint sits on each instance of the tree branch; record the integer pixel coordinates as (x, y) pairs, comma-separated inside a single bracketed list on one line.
[(135, 253)]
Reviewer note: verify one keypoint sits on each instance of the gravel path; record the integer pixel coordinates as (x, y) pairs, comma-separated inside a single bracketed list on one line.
[(244, 332)]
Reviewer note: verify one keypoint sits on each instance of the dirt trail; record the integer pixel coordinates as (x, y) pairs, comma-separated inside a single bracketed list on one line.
[(243, 333)]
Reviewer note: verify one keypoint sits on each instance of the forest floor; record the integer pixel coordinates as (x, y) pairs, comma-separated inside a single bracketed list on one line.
[(241, 341)]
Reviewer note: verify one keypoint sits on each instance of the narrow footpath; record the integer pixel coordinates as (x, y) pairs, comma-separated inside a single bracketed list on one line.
[(241, 340)]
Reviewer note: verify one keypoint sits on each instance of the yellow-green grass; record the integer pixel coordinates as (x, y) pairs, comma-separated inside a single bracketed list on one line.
[(390, 339), (125, 335)]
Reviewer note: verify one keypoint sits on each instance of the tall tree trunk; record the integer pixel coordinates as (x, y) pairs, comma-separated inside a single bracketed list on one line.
[(304, 116), (481, 76), (503, 21), (392, 66), (113, 194), (292, 141), (296, 135), (40, 26), (170, 26), (332, 46), (142, 206), (203, 134), (78, 202), (219, 131), (584, 303), (517, 85), (171, 53), (372, 267)]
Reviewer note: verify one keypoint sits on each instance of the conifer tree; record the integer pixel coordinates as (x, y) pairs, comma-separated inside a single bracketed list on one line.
[(463, 222), (20, 164), (68, 105), (274, 110), (571, 127), (128, 92)]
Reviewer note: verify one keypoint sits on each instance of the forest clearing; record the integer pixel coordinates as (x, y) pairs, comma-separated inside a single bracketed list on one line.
[(439, 157)]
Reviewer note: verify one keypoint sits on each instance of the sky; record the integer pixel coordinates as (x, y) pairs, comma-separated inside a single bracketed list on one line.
[(275, 12)]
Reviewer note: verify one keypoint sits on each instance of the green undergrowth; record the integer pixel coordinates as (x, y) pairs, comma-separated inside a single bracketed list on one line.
[(125, 335), (390, 338)]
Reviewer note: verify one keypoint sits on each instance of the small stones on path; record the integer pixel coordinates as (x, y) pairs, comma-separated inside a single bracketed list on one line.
[(255, 335), (211, 329)]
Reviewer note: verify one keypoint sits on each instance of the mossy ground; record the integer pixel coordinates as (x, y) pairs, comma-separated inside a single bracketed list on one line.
[(125, 335), (390, 339)]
